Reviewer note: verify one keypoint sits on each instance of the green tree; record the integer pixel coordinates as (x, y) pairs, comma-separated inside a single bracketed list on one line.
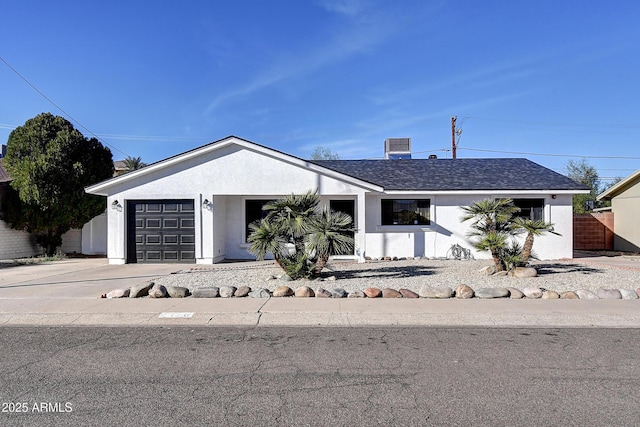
[(300, 236), (51, 163), (133, 163), (586, 174), (323, 153)]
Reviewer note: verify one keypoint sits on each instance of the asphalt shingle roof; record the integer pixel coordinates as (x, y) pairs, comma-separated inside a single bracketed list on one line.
[(454, 174)]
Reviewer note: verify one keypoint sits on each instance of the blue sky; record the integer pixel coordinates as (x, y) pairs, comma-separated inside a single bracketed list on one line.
[(552, 81)]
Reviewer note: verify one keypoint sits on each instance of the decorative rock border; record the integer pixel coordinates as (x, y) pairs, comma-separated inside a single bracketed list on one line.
[(461, 292)]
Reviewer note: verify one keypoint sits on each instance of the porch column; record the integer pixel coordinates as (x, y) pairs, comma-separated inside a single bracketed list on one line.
[(360, 237)]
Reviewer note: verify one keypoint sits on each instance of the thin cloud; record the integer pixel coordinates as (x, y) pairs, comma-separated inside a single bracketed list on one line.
[(361, 32), (345, 7)]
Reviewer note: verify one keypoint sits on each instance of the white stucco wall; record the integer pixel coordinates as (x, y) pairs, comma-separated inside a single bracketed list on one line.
[(94, 236)]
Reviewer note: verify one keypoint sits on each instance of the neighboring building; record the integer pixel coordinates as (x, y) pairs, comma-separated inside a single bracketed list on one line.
[(195, 207), (625, 205), (119, 167), (13, 243)]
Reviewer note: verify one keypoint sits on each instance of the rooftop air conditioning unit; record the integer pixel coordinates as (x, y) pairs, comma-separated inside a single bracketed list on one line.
[(397, 148)]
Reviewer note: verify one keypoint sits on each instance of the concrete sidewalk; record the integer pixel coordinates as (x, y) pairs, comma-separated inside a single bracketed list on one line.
[(65, 293)]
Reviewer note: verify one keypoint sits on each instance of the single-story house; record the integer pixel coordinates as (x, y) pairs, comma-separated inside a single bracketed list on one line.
[(196, 206), (625, 205)]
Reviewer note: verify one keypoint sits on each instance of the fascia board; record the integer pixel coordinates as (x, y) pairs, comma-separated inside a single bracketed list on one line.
[(477, 192), (618, 188)]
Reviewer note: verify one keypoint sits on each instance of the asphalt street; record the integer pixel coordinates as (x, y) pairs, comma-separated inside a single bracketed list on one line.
[(161, 375)]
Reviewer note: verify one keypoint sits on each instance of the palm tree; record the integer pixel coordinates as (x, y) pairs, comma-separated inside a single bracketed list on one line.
[(491, 225), (291, 214), (331, 234), (532, 228), (295, 220), (133, 163), (265, 239)]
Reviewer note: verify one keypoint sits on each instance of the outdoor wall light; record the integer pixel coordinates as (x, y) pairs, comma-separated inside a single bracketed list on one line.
[(207, 205), (115, 205)]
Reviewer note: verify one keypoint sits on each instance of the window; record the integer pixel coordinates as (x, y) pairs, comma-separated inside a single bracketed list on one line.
[(406, 212), (253, 212), (530, 208)]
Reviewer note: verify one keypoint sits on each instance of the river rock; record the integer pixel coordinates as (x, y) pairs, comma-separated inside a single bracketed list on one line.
[(515, 293), (390, 293), (338, 293), (431, 292), (123, 293), (356, 294), (523, 272), (177, 291), (323, 293), (142, 290), (206, 292), (532, 293), (242, 291), (157, 291), (628, 294), (569, 295), (548, 294), (373, 292), (488, 270), (227, 291), (464, 292), (304, 292), (260, 293), (408, 293), (282, 291), (586, 294), (608, 294), (491, 293)]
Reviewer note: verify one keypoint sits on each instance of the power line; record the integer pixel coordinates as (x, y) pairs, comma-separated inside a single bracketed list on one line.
[(552, 155), (57, 106), (557, 124)]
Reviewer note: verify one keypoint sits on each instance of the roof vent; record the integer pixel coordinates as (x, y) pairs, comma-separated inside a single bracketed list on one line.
[(397, 148), (3, 150), (433, 156)]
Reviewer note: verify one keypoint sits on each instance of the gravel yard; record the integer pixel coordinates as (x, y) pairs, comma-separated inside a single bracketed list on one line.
[(569, 275)]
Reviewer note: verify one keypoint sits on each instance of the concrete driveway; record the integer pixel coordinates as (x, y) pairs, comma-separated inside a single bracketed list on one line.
[(76, 278)]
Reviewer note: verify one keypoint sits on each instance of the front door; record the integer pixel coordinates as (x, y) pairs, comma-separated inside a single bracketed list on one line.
[(348, 207)]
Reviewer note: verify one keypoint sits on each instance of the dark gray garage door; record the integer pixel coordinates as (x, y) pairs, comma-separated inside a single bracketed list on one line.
[(160, 231)]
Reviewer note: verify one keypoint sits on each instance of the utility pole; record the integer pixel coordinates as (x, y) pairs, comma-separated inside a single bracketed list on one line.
[(453, 136)]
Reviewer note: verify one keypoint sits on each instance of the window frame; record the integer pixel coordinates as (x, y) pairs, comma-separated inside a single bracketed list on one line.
[(535, 212), (386, 221)]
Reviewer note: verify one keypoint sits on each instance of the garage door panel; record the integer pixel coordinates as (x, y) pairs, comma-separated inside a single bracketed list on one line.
[(170, 223), (161, 231)]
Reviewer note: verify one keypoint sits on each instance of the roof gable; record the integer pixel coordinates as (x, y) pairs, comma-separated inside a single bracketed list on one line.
[(620, 187), (455, 174), (186, 159)]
